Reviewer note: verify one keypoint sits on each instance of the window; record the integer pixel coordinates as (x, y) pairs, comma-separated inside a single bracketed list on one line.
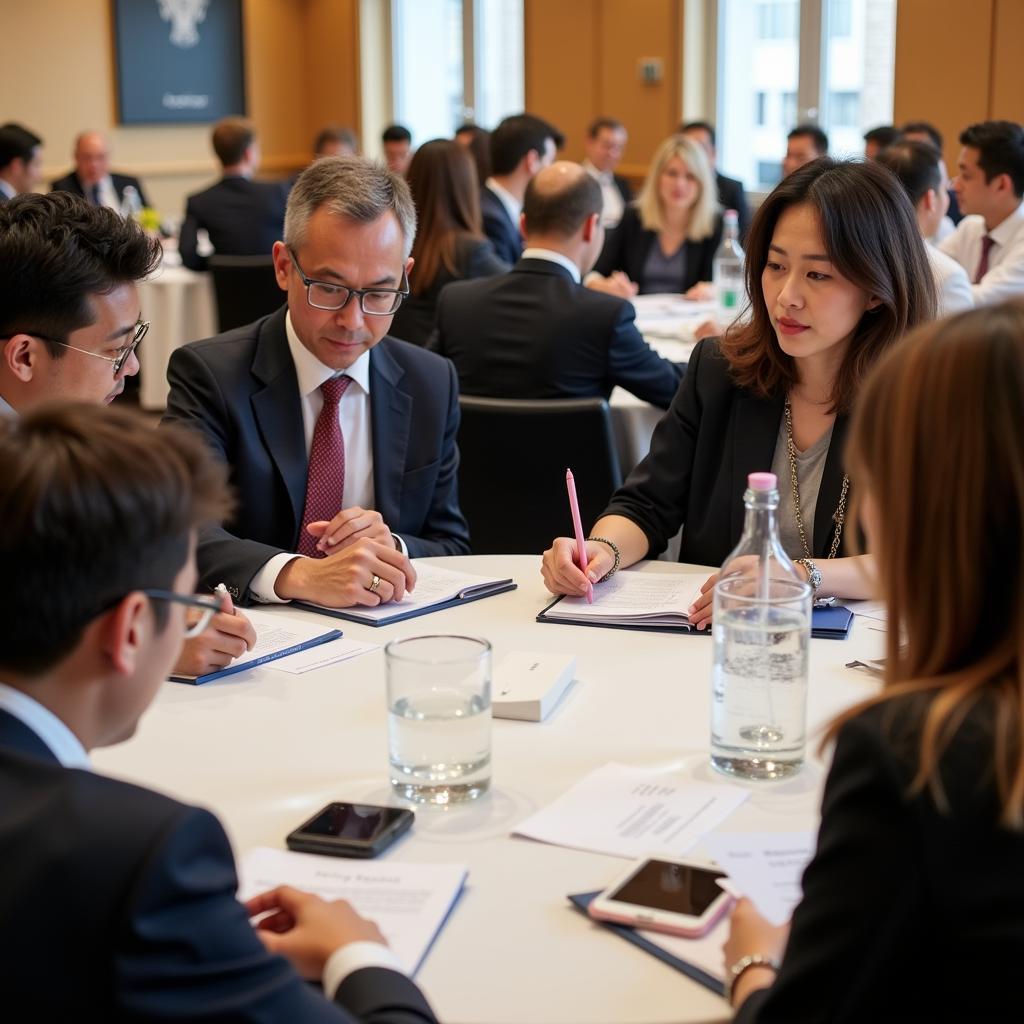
[(840, 18), (778, 19), (768, 174), (844, 109), (789, 117), (760, 108)]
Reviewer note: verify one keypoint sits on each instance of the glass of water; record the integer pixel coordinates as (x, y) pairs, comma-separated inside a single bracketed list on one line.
[(439, 718), (761, 630)]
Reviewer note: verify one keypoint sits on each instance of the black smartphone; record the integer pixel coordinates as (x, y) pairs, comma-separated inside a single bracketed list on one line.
[(351, 830)]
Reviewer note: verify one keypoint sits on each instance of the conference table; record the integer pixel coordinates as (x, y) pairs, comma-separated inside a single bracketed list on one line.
[(264, 750)]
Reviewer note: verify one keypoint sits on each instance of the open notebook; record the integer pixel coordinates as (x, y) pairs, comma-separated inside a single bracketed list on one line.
[(436, 588)]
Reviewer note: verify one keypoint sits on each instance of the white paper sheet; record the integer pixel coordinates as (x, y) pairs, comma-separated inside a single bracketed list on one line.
[(636, 594), (409, 902), (765, 866), (326, 654), (633, 812)]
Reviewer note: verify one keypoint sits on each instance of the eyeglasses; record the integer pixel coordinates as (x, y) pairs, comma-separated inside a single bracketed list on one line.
[(119, 361), (209, 606), (372, 301)]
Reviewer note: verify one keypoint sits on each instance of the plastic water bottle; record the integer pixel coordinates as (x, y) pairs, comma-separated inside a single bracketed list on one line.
[(761, 627), (131, 203), (727, 267)]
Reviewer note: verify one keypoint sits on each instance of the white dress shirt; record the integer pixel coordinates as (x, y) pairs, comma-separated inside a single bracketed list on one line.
[(614, 206), (7, 411), (512, 205), (356, 429), (7, 188), (1005, 277), (61, 741), (952, 285), (535, 252)]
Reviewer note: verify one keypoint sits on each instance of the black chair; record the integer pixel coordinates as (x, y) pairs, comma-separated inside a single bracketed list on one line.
[(514, 454), (245, 288)]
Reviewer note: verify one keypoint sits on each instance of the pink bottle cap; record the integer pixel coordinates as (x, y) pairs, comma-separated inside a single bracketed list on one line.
[(762, 481)]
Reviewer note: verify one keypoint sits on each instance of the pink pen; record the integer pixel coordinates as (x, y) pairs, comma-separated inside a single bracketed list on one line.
[(577, 525)]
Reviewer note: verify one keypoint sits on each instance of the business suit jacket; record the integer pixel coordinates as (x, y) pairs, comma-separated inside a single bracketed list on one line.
[(536, 333), (907, 912), (119, 904), (70, 183), (733, 197), (712, 437), (240, 391), (498, 227), (241, 216), (627, 246), (474, 257)]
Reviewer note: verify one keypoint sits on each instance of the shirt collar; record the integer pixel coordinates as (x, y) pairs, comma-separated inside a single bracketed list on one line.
[(537, 253), (605, 177), (7, 411), (63, 743), (7, 188), (512, 205), (1004, 233), (312, 373)]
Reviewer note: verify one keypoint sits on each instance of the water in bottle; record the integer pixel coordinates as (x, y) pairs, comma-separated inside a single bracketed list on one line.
[(131, 203), (761, 628), (727, 268)]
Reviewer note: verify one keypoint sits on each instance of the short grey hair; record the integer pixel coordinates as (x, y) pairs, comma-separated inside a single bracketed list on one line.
[(354, 187)]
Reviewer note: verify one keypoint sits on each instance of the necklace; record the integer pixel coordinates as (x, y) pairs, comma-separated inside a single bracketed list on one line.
[(838, 517)]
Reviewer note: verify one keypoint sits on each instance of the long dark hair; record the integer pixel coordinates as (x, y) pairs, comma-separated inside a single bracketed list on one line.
[(871, 236)]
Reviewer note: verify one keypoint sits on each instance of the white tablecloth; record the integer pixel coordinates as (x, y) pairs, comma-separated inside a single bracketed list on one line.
[(265, 750)]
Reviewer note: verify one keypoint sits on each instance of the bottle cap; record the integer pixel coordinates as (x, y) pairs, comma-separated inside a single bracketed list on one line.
[(762, 481)]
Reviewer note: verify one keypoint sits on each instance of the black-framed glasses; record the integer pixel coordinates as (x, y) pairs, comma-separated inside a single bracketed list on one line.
[(209, 606), (372, 301), (119, 361)]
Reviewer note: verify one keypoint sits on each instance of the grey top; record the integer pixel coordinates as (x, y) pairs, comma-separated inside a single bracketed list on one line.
[(664, 273), (810, 465)]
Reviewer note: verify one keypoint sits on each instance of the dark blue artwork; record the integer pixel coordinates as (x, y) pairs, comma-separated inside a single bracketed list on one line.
[(179, 61)]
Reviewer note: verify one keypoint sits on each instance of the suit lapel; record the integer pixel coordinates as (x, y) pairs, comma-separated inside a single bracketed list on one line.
[(391, 419), (277, 409), (757, 429), (830, 489)]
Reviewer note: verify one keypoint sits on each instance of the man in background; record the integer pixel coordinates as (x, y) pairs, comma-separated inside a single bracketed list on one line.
[(925, 131), (397, 143), (878, 138), (335, 140), (806, 142), (240, 216), (730, 191), (92, 178), (605, 143), (21, 161)]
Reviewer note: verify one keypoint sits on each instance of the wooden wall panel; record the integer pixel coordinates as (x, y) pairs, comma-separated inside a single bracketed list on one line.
[(1007, 100), (332, 64)]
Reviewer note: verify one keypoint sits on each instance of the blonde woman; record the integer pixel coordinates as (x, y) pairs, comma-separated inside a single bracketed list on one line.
[(666, 241)]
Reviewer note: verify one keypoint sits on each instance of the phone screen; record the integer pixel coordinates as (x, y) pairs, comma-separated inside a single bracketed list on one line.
[(676, 888), (359, 822)]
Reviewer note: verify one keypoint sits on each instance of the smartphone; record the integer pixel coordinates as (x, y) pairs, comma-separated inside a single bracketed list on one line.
[(665, 895), (351, 830)]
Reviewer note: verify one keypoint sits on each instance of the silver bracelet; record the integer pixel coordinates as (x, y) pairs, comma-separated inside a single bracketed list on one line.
[(743, 964), (615, 551)]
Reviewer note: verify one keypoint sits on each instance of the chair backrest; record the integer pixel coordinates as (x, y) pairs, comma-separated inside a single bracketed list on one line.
[(513, 458), (245, 288)]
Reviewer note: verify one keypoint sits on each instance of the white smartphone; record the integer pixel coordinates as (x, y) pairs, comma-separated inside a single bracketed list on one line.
[(672, 896)]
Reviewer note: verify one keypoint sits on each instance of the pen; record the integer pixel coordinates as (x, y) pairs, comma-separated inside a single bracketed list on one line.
[(221, 591), (581, 544)]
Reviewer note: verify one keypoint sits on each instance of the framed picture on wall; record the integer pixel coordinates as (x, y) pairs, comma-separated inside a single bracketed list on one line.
[(178, 61)]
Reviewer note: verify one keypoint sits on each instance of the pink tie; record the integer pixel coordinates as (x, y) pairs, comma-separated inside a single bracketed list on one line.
[(986, 247), (325, 478)]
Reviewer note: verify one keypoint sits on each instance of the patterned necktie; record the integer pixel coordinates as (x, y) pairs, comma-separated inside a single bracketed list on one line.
[(986, 247), (325, 478)]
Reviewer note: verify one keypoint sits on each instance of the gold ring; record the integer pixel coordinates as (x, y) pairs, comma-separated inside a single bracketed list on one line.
[(374, 584)]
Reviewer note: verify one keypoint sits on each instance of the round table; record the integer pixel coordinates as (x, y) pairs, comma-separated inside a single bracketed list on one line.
[(265, 749)]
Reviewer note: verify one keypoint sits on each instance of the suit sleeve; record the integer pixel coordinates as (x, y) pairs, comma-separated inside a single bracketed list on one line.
[(188, 952), (188, 240), (634, 365), (445, 531), (862, 891), (743, 212), (196, 401), (142, 195)]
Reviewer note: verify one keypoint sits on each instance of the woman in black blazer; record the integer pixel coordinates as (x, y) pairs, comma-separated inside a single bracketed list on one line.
[(836, 273), (913, 906), (450, 244), (667, 240)]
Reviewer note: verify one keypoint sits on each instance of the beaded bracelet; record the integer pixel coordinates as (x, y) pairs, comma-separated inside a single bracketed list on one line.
[(742, 965), (615, 550)]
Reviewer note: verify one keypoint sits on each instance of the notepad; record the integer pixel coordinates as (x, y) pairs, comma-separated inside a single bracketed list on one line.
[(277, 636), (409, 902), (436, 588)]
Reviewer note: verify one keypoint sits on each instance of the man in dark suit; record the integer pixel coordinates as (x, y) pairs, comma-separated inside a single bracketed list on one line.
[(92, 178), (730, 190), (341, 441), (242, 217), (21, 160), (520, 146), (123, 899), (605, 143), (536, 332)]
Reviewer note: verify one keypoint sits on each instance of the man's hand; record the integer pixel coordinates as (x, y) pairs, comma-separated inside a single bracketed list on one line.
[(616, 283), (561, 572), (348, 526), (344, 579), (305, 929), (228, 636)]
